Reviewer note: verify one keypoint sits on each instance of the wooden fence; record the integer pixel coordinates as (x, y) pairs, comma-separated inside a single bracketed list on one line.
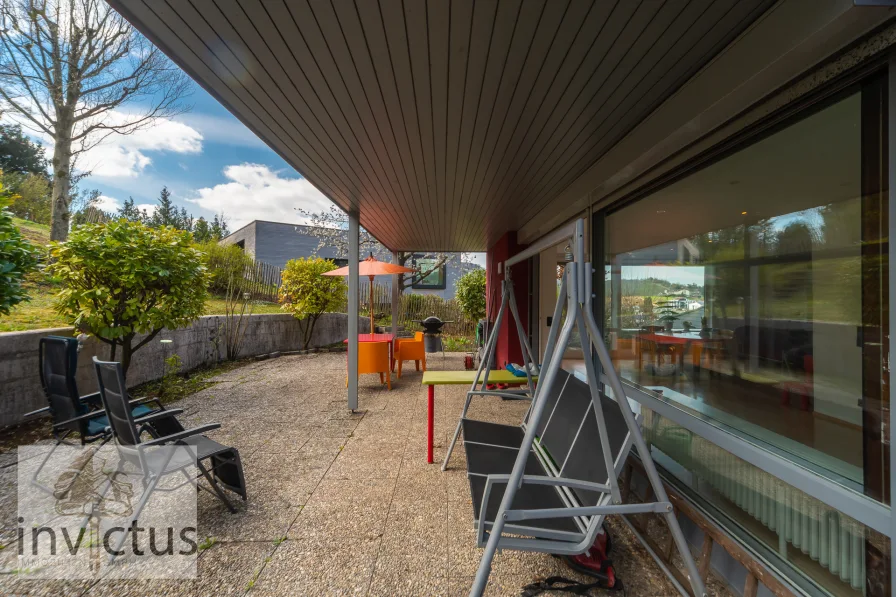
[(263, 280), (412, 308)]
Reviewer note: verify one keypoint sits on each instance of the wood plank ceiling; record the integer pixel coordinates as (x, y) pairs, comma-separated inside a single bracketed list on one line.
[(444, 124)]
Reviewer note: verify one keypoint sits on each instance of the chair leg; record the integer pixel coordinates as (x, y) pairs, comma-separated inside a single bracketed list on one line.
[(382, 381), (147, 491), (416, 365), (215, 487), (424, 361), (399, 368), (389, 381)]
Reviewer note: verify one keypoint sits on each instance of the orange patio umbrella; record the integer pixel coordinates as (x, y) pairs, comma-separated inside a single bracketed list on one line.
[(371, 267)]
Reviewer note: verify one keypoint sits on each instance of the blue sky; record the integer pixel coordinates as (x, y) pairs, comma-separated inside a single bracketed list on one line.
[(209, 161)]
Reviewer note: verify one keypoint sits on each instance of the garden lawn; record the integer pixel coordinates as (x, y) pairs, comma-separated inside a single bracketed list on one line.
[(39, 313), (36, 234)]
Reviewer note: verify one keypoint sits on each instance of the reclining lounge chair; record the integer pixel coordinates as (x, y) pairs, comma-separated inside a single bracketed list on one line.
[(219, 465), (83, 415)]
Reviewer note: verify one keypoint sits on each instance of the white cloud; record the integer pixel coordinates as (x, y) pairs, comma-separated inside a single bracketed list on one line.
[(219, 129), (149, 208), (125, 155), (255, 192), (107, 204)]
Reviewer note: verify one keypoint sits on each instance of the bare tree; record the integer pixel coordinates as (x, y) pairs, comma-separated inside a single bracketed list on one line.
[(330, 228), (66, 67)]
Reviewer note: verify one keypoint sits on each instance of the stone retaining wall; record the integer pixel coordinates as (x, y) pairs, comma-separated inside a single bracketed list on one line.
[(20, 390)]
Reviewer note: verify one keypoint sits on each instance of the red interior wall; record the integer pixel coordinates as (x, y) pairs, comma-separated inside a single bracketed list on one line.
[(508, 349)]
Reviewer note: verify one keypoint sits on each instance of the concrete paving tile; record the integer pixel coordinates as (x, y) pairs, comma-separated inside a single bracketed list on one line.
[(354, 490), (364, 511), (223, 570), (255, 520), (332, 524), (458, 486), (420, 482), (337, 428), (404, 577), (293, 571), (411, 531), (364, 466), (325, 447)]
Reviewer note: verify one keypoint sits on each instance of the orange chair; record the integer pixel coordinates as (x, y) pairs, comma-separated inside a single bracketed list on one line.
[(373, 357), (410, 349)]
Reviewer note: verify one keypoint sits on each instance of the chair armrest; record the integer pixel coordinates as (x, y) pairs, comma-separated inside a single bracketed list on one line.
[(182, 435), (163, 414), (144, 400), (95, 397), (90, 415), (39, 412)]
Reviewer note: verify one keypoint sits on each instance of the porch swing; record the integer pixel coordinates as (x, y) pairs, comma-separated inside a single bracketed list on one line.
[(559, 468)]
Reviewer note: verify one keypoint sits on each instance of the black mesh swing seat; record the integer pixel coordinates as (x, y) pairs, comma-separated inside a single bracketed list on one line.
[(567, 446)]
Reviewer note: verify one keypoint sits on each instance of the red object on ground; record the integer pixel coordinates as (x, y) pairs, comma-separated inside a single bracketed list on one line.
[(430, 416), (595, 562)]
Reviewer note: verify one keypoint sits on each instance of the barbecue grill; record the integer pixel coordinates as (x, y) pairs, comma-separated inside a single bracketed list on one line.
[(432, 330)]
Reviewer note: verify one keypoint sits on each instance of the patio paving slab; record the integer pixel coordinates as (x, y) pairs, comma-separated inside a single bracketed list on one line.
[(341, 503)]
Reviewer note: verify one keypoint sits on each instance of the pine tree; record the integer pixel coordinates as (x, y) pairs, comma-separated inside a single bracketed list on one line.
[(219, 227), (166, 213), (130, 212), (215, 230), (185, 221), (201, 231)]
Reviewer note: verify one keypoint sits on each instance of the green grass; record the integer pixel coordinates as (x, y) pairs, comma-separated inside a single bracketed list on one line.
[(37, 234), (38, 313)]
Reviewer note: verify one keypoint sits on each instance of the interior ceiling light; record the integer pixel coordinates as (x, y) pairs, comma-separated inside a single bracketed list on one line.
[(743, 213)]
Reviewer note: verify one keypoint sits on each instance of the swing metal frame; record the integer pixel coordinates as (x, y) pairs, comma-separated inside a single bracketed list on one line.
[(576, 293)]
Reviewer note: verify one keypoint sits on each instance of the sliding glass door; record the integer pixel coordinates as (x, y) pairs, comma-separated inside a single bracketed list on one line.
[(753, 293)]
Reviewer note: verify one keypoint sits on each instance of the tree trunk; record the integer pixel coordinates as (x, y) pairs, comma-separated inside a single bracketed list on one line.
[(62, 186), (308, 330), (126, 352)]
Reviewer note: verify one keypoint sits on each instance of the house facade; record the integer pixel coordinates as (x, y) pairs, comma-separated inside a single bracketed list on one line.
[(743, 150), (278, 242)]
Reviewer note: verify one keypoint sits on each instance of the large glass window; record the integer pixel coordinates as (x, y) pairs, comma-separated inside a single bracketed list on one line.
[(754, 292)]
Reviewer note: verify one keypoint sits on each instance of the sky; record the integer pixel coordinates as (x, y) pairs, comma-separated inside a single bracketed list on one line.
[(211, 164)]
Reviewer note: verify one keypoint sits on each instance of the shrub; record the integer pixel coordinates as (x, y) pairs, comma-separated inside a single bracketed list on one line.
[(226, 264), (123, 278), (17, 259), (307, 293), (470, 294)]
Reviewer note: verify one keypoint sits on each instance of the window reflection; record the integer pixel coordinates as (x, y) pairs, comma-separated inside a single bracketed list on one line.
[(754, 291)]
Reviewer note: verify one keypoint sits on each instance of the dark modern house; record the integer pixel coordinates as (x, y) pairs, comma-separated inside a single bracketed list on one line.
[(278, 242)]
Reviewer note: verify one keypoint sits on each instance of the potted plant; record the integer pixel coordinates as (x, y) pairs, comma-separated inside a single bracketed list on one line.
[(686, 325), (666, 313), (704, 328)]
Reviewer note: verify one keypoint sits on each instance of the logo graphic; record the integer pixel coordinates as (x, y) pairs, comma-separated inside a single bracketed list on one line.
[(90, 512)]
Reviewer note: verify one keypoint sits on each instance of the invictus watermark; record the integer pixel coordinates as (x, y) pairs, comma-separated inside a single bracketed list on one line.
[(90, 512)]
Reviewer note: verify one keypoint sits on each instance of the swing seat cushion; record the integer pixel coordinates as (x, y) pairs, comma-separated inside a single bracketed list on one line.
[(568, 441), (484, 460)]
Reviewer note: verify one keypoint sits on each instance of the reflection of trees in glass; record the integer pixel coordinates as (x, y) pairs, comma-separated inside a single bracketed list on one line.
[(807, 266)]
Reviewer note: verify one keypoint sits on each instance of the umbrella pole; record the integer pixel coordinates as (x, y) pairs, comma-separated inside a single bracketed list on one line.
[(372, 329)]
